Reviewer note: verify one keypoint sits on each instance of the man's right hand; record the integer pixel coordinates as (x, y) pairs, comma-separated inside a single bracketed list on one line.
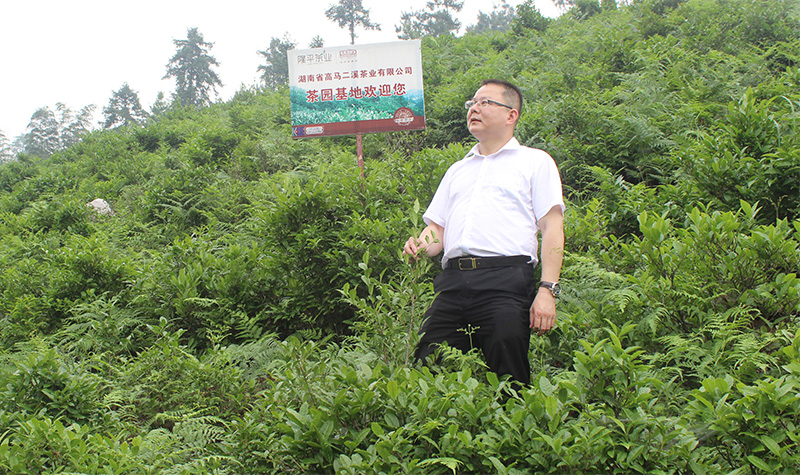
[(427, 244), (412, 248)]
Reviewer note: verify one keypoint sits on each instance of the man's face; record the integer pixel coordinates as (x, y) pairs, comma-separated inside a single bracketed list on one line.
[(486, 121)]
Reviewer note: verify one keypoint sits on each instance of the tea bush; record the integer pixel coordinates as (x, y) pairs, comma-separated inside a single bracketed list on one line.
[(716, 279), (166, 382), (752, 156), (313, 225), (339, 408), (45, 383), (751, 425), (41, 445)]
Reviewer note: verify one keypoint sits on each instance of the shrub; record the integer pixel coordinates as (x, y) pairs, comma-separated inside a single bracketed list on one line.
[(104, 328), (166, 383), (41, 445), (315, 230), (211, 290), (332, 408), (68, 216), (213, 145), (713, 284), (46, 383), (751, 425), (750, 156)]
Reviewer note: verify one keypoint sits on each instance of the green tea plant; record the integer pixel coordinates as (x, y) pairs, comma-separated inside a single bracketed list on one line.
[(51, 273), (750, 156), (46, 383), (41, 445), (750, 426), (315, 227), (167, 379), (717, 279), (616, 375), (246, 308), (68, 216), (392, 312)]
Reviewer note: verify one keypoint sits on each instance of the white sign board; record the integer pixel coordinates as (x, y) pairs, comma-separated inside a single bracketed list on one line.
[(356, 89)]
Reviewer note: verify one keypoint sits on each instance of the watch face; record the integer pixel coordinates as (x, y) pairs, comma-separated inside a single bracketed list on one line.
[(556, 289)]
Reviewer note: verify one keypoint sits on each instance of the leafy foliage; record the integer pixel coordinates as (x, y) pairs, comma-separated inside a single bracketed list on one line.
[(752, 156), (247, 308)]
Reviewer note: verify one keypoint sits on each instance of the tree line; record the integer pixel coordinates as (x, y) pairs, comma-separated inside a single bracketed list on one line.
[(193, 68)]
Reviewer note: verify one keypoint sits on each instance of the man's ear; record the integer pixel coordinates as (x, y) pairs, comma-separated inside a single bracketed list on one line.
[(513, 117)]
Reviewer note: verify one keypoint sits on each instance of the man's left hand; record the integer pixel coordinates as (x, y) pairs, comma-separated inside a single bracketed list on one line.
[(543, 311)]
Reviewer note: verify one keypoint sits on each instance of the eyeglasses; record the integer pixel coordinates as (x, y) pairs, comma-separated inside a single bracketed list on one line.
[(484, 103)]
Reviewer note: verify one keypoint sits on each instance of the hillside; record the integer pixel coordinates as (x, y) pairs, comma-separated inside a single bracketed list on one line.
[(246, 308)]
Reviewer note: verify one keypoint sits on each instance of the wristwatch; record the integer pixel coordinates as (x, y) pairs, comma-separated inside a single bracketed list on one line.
[(553, 287)]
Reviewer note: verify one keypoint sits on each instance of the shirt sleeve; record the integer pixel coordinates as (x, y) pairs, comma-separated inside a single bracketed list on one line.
[(437, 209), (547, 190)]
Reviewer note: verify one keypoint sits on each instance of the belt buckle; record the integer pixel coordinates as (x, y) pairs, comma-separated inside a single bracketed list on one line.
[(473, 260)]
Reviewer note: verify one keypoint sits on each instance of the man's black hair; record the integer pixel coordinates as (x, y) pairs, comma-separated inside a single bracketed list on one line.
[(512, 93)]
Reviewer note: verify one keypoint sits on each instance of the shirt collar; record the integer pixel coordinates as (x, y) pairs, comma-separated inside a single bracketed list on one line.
[(512, 144)]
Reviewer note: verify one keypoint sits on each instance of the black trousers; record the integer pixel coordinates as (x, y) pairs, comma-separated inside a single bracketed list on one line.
[(483, 308)]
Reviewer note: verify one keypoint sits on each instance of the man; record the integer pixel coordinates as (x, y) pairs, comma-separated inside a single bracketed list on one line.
[(485, 216)]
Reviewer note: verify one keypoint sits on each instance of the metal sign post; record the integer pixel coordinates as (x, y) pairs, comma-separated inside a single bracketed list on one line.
[(360, 153)]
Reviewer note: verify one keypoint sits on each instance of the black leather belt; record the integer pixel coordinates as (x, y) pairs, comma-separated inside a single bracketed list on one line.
[(472, 263)]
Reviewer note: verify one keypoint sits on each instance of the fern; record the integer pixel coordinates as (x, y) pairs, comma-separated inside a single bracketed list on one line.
[(190, 445), (101, 326), (254, 359), (197, 429), (725, 344)]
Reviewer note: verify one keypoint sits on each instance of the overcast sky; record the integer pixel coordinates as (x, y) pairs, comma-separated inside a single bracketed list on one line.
[(79, 52)]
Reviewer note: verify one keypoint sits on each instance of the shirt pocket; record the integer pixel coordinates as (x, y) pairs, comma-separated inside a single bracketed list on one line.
[(510, 191)]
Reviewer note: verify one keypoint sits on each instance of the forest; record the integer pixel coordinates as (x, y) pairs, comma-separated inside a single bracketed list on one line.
[(245, 306)]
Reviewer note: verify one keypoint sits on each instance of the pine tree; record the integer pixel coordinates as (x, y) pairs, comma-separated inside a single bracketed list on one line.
[(498, 20), (42, 137), (160, 106), (6, 153), (350, 14), (435, 20), (316, 42), (276, 72), (192, 69), (124, 109), (528, 17), (72, 128)]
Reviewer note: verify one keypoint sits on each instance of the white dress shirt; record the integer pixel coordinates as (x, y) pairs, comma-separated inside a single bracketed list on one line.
[(490, 206)]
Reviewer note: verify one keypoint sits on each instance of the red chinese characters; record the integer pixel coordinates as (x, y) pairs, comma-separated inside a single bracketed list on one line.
[(355, 92)]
